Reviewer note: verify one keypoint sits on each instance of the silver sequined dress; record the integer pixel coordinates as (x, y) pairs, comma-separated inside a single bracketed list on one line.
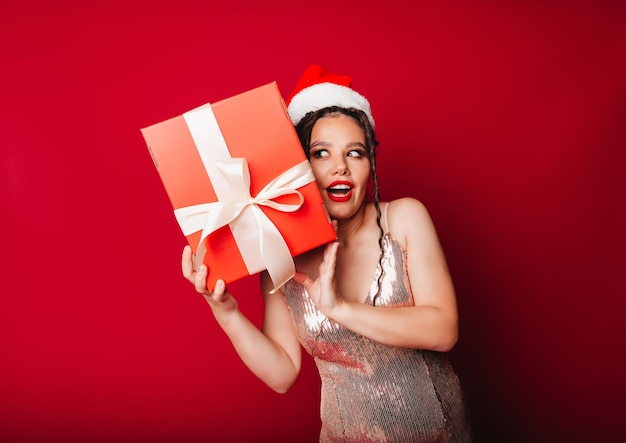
[(373, 392)]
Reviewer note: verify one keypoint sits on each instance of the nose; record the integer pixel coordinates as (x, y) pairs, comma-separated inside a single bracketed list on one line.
[(340, 166)]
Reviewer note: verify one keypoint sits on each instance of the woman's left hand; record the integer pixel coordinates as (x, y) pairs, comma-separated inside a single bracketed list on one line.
[(323, 290)]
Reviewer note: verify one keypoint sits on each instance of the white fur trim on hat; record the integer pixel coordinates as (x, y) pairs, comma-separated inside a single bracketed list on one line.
[(323, 95)]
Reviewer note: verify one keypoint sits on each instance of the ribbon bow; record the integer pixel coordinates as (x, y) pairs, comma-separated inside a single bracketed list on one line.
[(259, 241)]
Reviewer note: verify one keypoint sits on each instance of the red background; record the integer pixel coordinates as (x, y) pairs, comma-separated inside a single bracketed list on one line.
[(506, 118)]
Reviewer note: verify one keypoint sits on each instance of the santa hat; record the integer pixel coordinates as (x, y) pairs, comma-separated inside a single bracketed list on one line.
[(318, 89)]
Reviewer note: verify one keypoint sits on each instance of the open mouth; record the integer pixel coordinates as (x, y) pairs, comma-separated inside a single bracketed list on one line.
[(339, 191)]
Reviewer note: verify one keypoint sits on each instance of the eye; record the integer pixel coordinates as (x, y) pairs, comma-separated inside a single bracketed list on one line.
[(319, 153), (357, 153)]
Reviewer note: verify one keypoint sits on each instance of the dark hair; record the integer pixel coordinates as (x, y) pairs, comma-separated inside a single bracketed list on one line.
[(304, 129)]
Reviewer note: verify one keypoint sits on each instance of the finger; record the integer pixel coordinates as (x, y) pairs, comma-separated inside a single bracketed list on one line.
[(220, 296), (187, 263), (303, 279), (219, 293), (327, 268), (200, 279)]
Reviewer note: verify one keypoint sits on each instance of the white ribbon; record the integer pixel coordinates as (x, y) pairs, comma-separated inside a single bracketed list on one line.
[(260, 243)]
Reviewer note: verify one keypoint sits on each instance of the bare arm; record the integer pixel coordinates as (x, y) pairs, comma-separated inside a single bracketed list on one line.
[(432, 323), (274, 354)]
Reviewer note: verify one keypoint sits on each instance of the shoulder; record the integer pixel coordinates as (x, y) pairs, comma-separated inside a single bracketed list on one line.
[(406, 218), (406, 211)]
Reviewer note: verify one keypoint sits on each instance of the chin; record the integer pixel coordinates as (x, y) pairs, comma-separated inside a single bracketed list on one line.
[(344, 212)]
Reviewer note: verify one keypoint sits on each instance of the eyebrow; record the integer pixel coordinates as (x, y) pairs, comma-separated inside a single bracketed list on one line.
[(326, 144), (353, 144)]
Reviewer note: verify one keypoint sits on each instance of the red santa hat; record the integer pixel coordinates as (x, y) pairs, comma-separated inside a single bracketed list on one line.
[(318, 89)]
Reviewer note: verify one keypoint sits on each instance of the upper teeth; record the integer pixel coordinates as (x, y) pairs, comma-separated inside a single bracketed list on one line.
[(346, 187)]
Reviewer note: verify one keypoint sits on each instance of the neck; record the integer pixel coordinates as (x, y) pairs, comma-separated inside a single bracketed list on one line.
[(347, 228)]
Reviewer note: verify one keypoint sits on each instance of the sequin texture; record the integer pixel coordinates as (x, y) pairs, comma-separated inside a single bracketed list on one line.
[(373, 392)]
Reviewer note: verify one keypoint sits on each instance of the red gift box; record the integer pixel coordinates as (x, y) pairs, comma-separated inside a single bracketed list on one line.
[(241, 187)]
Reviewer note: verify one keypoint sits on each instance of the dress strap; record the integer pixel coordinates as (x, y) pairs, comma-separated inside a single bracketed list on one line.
[(385, 224)]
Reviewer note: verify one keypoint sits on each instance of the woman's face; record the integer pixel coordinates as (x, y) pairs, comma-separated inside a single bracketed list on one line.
[(341, 164)]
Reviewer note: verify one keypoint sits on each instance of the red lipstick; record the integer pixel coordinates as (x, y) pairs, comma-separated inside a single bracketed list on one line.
[(339, 191)]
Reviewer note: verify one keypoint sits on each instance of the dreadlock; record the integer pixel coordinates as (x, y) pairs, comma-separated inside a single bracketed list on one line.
[(304, 129)]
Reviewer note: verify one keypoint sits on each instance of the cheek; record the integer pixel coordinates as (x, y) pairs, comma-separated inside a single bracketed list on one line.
[(364, 173), (318, 171)]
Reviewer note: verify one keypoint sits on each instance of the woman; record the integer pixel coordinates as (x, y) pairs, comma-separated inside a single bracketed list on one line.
[(376, 308)]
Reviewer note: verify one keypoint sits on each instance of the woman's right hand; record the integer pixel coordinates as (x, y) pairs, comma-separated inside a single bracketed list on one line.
[(221, 301)]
